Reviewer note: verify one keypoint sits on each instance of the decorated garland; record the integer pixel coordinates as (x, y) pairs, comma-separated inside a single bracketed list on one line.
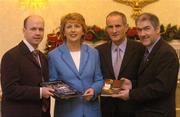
[(95, 34)]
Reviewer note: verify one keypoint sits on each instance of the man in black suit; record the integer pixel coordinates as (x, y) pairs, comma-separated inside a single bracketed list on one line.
[(22, 73), (157, 76), (131, 53)]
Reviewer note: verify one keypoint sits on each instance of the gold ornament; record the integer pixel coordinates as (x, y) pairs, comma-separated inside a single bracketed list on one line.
[(33, 4), (137, 5)]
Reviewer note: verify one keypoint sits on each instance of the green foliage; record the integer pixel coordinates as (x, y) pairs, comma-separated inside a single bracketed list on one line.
[(95, 33), (170, 32)]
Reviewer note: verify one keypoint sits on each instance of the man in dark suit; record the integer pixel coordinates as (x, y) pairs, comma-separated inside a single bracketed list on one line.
[(131, 53), (157, 76), (22, 73)]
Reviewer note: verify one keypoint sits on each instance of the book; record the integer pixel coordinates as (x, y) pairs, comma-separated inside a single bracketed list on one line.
[(61, 90), (111, 87)]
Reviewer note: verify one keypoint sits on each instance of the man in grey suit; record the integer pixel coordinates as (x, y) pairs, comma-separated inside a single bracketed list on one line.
[(22, 73), (157, 76)]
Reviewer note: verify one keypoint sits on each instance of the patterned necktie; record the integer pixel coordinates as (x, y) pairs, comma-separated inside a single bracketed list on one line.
[(45, 102), (36, 56), (117, 63), (146, 54), (45, 105)]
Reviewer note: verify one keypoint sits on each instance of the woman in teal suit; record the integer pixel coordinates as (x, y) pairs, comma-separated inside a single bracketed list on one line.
[(77, 65)]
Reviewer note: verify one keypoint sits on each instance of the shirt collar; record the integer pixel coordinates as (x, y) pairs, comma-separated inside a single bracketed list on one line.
[(122, 46), (30, 47), (151, 47)]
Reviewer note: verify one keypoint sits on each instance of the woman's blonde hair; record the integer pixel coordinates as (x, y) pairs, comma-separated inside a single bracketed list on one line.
[(75, 17)]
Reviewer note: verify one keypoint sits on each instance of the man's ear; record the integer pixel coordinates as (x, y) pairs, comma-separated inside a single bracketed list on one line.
[(158, 29), (24, 29), (127, 27)]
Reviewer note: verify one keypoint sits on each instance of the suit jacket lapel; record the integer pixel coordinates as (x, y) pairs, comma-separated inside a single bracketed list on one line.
[(84, 58), (127, 56), (108, 58), (44, 66), (66, 57), (25, 51)]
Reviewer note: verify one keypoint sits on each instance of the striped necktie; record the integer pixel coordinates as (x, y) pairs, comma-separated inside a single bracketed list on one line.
[(45, 102), (36, 56)]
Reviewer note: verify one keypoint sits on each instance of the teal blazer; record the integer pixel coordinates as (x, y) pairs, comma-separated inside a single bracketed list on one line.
[(62, 67)]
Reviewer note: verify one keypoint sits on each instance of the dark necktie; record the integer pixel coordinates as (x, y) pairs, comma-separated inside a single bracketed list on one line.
[(36, 56), (45, 102), (117, 63), (146, 54), (45, 105)]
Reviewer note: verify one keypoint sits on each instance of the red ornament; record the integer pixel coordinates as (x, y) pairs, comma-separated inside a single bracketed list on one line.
[(52, 37), (89, 36), (132, 32), (97, 29)]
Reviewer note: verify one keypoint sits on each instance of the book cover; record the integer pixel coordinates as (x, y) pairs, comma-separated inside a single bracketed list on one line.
[(62, 90)]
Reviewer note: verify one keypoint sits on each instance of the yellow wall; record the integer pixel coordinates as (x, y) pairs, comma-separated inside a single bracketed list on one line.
[(94, 11)]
